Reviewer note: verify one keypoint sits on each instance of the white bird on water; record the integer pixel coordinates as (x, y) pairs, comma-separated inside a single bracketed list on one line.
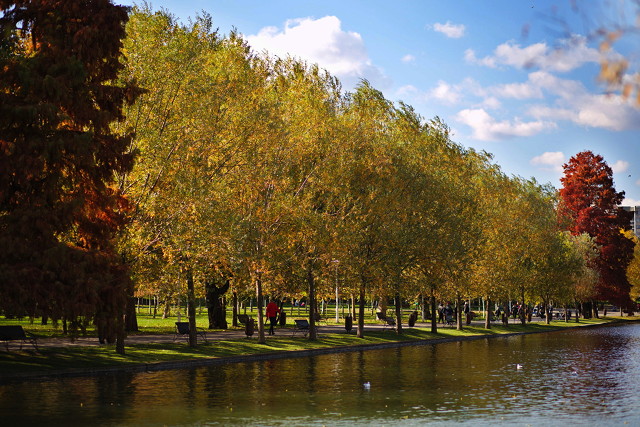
[(367, 385), (518, 366)]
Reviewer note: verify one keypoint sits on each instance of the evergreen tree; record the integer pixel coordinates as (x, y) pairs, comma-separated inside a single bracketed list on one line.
[(59, 209)]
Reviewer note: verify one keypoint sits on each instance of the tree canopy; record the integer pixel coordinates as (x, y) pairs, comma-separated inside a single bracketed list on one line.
[(59, 207), (590, 204)]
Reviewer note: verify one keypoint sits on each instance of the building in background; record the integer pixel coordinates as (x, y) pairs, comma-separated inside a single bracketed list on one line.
[(635, 220)]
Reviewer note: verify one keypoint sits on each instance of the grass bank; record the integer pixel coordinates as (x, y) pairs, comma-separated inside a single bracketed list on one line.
[(50, 361)]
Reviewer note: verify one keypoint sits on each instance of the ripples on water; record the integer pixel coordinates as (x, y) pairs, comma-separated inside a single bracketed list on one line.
[(586, 376)]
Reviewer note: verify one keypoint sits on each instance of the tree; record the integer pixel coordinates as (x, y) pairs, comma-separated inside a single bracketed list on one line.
[(308, 99), (191, 127), (216, 284), (633, 270), (496, 264), (59, 207), (590, 204), (586, 277), (360, 190)]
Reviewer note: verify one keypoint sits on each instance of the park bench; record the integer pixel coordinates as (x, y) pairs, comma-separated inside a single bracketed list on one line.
[(10, 333), (301, 325), (182, 330)]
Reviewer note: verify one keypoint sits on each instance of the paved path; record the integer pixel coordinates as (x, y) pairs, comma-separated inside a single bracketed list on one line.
[(230, 334)]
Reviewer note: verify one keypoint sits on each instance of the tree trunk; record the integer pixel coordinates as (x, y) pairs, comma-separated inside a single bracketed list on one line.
[(487, 313), (586, 310), (131, 318), (523, 311), (361, 309), (120, 334), (155, 306), (234, 322), (167, 309), (547, 313), (313, 335), (354, 312), (216, 285), (434, 318), (261, 338), (382, 305), (459, 312), (191, 309), (398, 314)]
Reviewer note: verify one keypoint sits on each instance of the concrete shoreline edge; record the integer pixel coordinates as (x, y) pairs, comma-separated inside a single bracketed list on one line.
[(248, 358)]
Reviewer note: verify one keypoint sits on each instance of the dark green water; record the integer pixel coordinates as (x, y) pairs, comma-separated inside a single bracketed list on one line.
[(586, 377)]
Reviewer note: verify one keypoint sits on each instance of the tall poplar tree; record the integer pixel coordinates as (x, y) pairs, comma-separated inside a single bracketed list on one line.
[(590, 204), (59, 210)]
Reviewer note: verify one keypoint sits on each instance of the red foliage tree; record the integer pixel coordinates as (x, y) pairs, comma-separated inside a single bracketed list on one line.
[(59, 209), (590, 204)]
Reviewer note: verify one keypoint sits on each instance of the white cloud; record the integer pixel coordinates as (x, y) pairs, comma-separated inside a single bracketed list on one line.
[(451, 94), (517, 91), (321, 41), (470, 57), (630, 202), (487, 128), (572, 54), (450, 30), (408, 58), (491, 102), (446, 93), (552, 160), (620, 166), (575, 103), (407, 89)]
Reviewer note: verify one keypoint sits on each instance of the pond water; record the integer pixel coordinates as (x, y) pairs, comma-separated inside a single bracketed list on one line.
[(587, 376)]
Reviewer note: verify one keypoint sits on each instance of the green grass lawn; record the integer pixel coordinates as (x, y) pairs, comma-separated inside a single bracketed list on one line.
[(50, 360)]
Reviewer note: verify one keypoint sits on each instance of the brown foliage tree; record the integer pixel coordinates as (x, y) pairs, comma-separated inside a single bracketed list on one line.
[(59, 209), (590, 204)]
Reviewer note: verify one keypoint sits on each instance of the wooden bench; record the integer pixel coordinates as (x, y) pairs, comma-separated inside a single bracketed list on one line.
[(10, 333), (182, 330)]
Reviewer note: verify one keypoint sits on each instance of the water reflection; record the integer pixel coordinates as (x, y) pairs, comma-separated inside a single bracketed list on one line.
[(581, 376)]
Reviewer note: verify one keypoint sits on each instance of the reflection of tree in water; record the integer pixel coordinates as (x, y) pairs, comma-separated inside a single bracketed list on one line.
[(311, 376), (573, 373), (113, 395), (216, 386)]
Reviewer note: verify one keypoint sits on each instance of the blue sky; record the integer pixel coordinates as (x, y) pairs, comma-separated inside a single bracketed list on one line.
[(498, 72)]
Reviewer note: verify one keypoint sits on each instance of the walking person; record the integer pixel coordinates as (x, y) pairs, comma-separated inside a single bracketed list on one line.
[(272, 314)]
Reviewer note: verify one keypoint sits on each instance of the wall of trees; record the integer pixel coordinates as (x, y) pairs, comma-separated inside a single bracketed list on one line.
[(265, 166)]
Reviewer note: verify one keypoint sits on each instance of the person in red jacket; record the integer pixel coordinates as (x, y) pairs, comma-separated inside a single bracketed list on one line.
[(272, 314)]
